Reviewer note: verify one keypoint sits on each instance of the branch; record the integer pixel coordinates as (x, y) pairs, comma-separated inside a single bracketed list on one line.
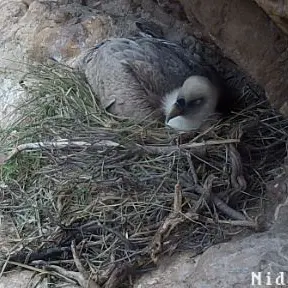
[(197, 146), (60, 144)]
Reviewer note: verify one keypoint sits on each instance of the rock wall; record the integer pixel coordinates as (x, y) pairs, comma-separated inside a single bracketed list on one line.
[(36, 30), (39, 30), (231, 264), (278, 12), (248, 36)]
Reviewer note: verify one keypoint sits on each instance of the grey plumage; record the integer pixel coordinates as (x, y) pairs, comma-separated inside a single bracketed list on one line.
[(131, 76)]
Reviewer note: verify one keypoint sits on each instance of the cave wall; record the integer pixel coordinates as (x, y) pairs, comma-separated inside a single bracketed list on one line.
[(277, 11), (249, 37)]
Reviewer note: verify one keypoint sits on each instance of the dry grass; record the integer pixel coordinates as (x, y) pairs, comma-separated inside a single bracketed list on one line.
[(107, 185)]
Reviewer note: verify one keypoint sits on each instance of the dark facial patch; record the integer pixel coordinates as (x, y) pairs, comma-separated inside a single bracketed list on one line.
[(181, 103)]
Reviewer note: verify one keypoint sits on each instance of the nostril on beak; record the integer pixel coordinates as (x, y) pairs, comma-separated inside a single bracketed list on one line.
[(176, 110)]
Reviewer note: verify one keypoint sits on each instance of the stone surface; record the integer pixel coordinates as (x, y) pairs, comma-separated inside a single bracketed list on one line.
[(22, 279), (230, 264), (36, 30), (277, 10), (246, 35), (223, 266)]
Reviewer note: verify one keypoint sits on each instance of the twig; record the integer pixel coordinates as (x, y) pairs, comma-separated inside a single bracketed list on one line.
[(237, 179), (84, 279), (28, 267), (177, 217), (192, 168), (195, 147), (243, 223), (96, 227), (177, 199), (63, 143), (251, 224), (205, 195), (173, 219), (104, 275), (77, 260), (81, 277), (70, 276), (223, 207), (45, 254), (118, 275)]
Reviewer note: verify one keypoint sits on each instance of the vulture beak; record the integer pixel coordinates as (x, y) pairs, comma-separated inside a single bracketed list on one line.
[(176, 110)]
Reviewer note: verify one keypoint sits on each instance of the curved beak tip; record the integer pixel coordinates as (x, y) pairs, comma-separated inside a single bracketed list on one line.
[(175, 111)]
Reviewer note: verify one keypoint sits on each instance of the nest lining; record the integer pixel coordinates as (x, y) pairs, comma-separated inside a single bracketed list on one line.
[(88, 191)]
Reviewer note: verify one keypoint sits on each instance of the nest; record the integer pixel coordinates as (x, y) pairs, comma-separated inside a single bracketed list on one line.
[(93, 193)]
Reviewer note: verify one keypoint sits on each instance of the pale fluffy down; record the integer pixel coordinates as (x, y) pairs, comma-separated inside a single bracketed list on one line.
[(179, 123), (192, 88)]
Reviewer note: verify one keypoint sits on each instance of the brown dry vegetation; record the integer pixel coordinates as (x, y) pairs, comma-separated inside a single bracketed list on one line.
[(92, 193)]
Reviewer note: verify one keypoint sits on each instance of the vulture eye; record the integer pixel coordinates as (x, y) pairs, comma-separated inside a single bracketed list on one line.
[(181, 103), (195, 102)]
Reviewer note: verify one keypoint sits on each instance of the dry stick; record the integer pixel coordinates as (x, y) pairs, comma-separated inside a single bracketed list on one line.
[(56, 273), (71, 276), (177, 207), (193, 214), (90, 226), (118, 275), (63, 143), (43, 254), (80, 277), (104, 275), (172, 220), (177, 217), (28, 267), (222, 206), (205, 195), (192, 168), (86, 281), (237, 179), (192, 217), (196, 145)]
